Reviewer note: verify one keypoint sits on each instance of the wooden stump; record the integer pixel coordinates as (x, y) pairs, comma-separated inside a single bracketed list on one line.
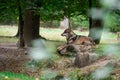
[(85, 55), (82, 60)]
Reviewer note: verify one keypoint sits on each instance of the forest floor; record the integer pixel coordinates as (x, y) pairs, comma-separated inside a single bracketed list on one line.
[(12, 59), (15, 60)]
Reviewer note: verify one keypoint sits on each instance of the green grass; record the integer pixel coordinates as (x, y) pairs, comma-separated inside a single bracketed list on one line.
[(55, 34), (47, 76), (8, 30), (13, 76), (48, 33), (51, 33)]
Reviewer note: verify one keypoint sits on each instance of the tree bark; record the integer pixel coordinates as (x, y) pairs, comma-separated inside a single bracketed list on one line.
[(17, 34), (20, 28), (90, 19), (95, 25), (31, 26), (96, 30)]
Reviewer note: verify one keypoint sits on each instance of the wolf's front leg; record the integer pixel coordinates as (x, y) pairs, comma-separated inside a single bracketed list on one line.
[(62, 49)]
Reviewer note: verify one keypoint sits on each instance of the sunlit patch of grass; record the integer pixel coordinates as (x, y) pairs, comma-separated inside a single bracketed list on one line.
[(8, 30), (52, 33), (48, 33), (109, 35), (55, 34), (13, 76)]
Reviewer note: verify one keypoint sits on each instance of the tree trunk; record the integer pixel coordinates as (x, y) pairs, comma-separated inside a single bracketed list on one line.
[(95, 25), (20, 28), (96, 30), (90, 19), (31, 26), (17, 34)]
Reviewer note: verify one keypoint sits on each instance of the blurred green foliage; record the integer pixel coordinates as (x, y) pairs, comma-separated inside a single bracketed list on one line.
[(80, 21), (112, 21), (52, 11), (13, 76)]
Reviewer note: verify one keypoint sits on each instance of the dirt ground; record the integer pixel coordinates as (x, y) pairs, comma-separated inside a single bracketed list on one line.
[(12, 58)]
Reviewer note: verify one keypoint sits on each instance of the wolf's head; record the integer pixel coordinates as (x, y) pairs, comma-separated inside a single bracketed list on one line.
[(68, 33)]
